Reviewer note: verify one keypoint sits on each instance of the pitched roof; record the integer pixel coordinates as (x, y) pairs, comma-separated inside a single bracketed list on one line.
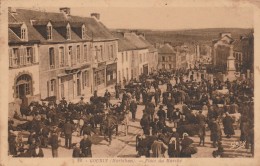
[(134, 39), (166, 49), (123, 43), (95, 30), (151, 48)]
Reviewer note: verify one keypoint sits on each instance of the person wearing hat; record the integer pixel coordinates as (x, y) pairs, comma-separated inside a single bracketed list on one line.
[(76, 151), (133, 109), (54, 142), (201, 120), (68, 129), (145, 124), (176, 116), (107, 96), (185, 145), (87, 129), (174, 148), (228, 125), (63, 101), (81, 102), (215, 131), (161, 113), (85, 146), (37, 151)]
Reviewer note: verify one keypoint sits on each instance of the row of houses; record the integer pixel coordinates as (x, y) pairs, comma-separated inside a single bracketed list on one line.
[(178, 57), (61, 55)]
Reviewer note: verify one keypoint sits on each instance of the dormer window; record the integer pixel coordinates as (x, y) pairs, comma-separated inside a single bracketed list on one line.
[(68, 34), (49, 31), (83, 32), (24, 32)]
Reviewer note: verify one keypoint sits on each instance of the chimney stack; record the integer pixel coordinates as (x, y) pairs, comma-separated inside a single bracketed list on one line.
[(95, 15), (65, 10)]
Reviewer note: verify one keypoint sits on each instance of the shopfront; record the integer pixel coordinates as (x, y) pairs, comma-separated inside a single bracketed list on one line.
[(99, 76), (111, 74)]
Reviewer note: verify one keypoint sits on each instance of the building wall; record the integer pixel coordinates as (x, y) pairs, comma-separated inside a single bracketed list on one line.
[(142, 59), (31, 69), (169, 61), (124, 65), (60, 80)]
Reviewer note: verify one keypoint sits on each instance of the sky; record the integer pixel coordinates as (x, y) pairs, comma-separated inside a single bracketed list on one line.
[(168, 18)]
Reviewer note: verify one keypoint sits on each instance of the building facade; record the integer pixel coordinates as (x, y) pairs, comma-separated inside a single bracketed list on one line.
[(59, 55), (167, 57)]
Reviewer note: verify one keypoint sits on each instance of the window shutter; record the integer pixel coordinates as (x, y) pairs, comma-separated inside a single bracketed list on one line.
[(10, 58), (48, 88), (56, 58), (24, 56), (34, 55)]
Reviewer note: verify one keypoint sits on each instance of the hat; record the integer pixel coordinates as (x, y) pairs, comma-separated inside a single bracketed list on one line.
[(185, 135), (177, 109), (63, 97), (81, 97), (161, 106)]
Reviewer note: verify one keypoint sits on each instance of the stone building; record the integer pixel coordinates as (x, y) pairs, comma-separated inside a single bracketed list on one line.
[(67, 56)]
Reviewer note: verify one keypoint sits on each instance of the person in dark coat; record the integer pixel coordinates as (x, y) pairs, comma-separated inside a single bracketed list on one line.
[(37, 151), (54, 142), (12, 143), (201, 119), (87, 129), (76, 151), (85, 146), (174, 148), (170, 109), (161, 113), (107, 96), (117, 90), (215, 132), (68, 130), (133, 109), (185, 143), (145, 124), (228, 125), (176, 116), (156, 97), (154, 126)]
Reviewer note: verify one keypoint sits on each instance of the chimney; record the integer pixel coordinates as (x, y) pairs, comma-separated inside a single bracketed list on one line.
[(95, 15), (65, 10)]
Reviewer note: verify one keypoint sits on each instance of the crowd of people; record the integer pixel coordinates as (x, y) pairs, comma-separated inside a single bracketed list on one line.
[(191, 103)]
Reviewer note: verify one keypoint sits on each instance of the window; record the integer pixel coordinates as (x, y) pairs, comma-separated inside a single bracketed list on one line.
[(101, 53), (122, 57), (83, 32), (78, 53), (112, 51), (23, 33), (23, 86), (85, 49), (13, 57), (170, 66), (163, 58), (163, 66), (62, 56), (70, 55), (109, 55), (140, 58), (96, 53), (85, 80), (126, 57), (53, 84), (170, 58), (52, 58), (68, 34), (49, 32), (62, 87), (29, 55)]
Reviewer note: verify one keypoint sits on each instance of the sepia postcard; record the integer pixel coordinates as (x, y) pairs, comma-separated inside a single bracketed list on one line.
[(114, 82)]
